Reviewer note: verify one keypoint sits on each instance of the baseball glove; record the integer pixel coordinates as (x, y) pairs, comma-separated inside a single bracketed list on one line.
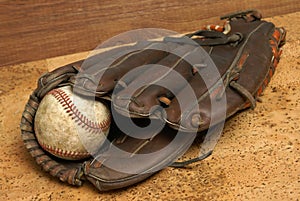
[(177, 87)]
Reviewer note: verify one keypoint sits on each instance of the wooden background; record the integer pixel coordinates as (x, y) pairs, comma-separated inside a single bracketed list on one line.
[(33, 30)]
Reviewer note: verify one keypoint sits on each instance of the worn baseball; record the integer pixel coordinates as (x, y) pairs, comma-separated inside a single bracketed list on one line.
[(69, 126)]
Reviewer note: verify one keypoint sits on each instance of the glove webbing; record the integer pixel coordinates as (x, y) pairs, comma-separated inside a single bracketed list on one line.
[(47, 82)]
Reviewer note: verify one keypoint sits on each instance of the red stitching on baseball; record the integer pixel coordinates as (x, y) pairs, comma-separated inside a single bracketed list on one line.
[(77, 116), (64, 153)]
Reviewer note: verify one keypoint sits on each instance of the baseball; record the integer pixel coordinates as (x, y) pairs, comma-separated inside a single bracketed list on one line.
[(69, 126)]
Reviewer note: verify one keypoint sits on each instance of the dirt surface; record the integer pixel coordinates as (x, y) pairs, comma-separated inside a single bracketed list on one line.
[(257, 157)]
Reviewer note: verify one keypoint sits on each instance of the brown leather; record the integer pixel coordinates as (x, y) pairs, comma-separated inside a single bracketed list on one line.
[(245, 57)]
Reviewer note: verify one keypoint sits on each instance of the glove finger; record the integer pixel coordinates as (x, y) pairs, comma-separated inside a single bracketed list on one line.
[(184, 110), (156, 85), (189, 110), (101, 72), (208, 84), (133, 60)]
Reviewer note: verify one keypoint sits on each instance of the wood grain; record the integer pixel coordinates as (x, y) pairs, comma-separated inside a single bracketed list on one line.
[(32, 30)]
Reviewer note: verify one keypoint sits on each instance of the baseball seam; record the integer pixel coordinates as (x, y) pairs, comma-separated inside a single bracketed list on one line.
[(77, 116), (64, 153)]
